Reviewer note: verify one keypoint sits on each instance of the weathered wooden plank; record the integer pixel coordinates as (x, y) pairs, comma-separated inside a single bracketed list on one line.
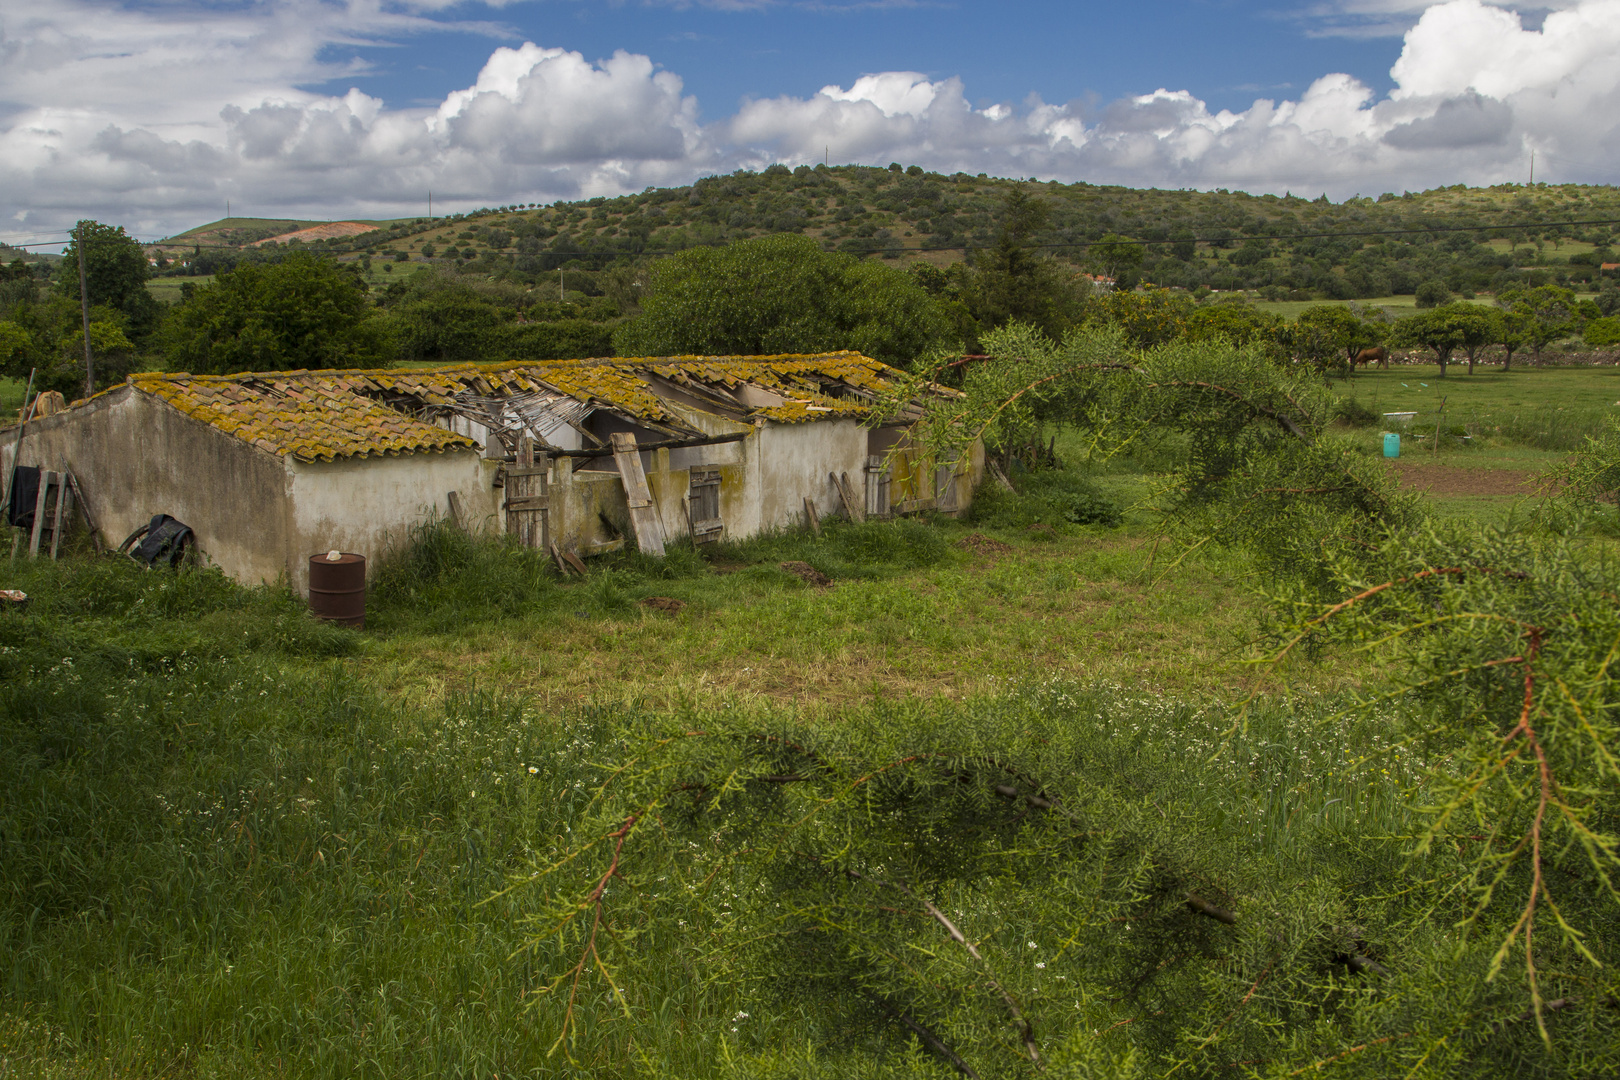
[(46, 481), (62, 498), (457, 517), (846, 491), (914, 506), (84, 508), (811, 516), (643, 513), (526, 503)]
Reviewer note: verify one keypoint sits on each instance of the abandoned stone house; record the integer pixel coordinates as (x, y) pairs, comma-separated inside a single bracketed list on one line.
[(270, 468)]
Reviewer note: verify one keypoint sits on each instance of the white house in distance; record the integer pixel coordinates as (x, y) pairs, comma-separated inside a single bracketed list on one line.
[(270, 468)]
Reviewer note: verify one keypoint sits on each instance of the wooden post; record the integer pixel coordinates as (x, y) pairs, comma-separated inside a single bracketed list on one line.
[(84, 308), (811, 516)]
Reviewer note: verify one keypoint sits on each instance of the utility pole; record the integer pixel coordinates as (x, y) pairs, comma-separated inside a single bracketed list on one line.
[(430, 204), (84, 309), (560, 295), (1532, 168)]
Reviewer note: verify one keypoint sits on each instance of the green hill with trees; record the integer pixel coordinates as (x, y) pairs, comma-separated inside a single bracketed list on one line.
[(960, 255)]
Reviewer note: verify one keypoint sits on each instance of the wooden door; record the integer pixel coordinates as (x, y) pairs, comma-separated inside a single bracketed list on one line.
[(527, 503)]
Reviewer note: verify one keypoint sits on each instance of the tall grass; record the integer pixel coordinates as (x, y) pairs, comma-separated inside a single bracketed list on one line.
[(446, 580), (223, 854)]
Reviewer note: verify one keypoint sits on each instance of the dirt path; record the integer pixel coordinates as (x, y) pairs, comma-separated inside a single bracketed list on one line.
[(1460, 480)]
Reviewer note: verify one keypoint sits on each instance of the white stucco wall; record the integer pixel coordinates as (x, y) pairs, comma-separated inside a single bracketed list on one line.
[(135, 456), (369, 505), (794, 460)]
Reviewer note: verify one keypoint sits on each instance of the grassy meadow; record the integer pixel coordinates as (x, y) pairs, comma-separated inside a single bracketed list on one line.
[(238, 842)]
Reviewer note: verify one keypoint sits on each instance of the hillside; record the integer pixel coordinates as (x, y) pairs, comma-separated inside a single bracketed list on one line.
[(1471, 239)]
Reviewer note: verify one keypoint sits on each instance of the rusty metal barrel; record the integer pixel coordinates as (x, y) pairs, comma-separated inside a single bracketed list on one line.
[(337, 588)]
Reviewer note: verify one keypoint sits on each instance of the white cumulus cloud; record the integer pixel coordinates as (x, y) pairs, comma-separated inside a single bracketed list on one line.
[(154, 118)]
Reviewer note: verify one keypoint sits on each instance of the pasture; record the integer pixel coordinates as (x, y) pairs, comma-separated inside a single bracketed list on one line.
[(240, 843)]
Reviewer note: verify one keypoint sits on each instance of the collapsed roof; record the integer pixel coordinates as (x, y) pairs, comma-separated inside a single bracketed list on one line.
[(328, 415)]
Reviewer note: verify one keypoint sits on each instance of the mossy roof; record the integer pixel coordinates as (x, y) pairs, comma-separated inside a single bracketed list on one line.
[(326, 415)]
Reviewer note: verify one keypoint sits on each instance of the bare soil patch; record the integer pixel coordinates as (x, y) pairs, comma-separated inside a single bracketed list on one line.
[(666, 604), (980, 544), (319, 232), (1461, 480), (808, 574)]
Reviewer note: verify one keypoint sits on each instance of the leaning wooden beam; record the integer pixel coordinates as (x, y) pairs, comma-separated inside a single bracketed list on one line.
[(643, 513), (62, 497), (46, 479), (852, 506), (84, 509)]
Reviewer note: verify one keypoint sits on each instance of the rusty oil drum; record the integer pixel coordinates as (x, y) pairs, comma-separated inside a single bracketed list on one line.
[(337, 589)]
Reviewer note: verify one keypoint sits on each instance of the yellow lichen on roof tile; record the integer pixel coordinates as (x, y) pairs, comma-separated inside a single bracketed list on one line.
[(309, 417), (325, 415)]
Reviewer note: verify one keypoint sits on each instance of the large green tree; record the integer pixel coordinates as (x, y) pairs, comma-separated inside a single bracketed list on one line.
[(1551, 312), (781, 294), (1015, 283), (1328, 334), (115, 271), (302, 312), (1443, 330)]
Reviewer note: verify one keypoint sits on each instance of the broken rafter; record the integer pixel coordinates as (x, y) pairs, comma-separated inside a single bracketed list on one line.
[(668, 444)]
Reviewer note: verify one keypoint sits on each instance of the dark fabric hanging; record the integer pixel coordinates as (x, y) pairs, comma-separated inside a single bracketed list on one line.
[(24, 494)]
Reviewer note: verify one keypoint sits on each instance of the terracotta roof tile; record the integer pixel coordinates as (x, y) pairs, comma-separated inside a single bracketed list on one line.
[(326, 415)]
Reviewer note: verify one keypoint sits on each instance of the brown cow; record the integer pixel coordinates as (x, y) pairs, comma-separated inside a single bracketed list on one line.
[(1377, 354)]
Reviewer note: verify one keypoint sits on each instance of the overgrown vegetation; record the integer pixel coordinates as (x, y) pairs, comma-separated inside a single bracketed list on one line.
[(238, 841)]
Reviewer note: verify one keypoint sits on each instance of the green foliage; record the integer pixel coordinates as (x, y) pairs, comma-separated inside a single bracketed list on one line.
[(1241, 324), (1587, 485), (781, 294), (1050, 497), (1256, 471), (1548, 313), (437, 317), (115, 270), (445, 580), (1603, 333), (1147, 318), (302, 312), (1013, 886), (1330, 335), (1015, 283), (49, 336), (1505, 644), (1431, 293), (1446, 329)]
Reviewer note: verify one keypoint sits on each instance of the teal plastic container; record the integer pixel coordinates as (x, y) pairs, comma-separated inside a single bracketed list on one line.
[(1392, 444)]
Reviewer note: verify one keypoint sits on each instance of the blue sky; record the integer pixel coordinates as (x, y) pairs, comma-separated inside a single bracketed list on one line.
[(1227, 53), (157, 114)]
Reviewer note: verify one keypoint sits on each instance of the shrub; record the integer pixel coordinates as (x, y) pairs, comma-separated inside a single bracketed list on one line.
[(1045, 497)]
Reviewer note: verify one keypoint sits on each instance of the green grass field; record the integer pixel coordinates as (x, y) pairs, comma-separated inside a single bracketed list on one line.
[(240, 843)]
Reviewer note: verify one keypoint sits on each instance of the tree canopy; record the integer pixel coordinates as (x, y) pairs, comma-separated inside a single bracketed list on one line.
[(781, 294), (303, 312), (115, 271)]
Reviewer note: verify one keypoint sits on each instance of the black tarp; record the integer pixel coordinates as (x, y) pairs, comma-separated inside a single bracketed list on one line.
[(24, 494)]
